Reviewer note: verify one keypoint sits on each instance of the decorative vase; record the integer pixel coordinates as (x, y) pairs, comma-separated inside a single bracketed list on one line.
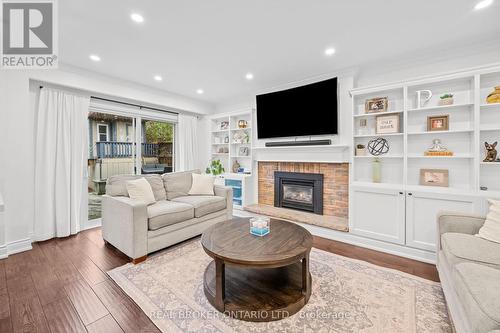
[(242, 124), (260, 226), (494, 97), (376, 171), (446, 101)]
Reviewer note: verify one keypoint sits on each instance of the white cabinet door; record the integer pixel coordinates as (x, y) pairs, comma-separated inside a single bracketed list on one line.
[(421, 211), (378, 214)]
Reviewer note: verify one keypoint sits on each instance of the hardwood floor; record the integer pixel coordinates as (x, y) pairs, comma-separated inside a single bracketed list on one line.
[(417, 268), (62, 286)]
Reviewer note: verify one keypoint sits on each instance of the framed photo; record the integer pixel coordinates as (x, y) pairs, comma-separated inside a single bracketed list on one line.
[(438, 123), (375, 105), (434, 177), (387, 124), (243, 151)]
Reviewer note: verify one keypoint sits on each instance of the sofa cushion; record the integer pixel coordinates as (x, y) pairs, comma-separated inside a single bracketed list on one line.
[(203, 204), (491, 227), (202, 185), (164, 213), (178, 184), (117, 185), (477, 287), (140, 190), (468, 248)]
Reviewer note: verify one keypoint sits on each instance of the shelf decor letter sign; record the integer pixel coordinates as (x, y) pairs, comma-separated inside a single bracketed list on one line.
[(29, 36)]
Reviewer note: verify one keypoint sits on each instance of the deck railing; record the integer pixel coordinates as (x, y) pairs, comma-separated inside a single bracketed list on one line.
[(115, 149)]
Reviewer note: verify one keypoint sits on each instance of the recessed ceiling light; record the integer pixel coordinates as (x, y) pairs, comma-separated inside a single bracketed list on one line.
[(330, 51), (137, 17), (483, 4), (249, 76), (199, 91), (158, 78), (95, 57)]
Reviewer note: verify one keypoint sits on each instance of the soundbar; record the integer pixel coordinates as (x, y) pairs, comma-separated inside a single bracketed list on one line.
[(325, 142)]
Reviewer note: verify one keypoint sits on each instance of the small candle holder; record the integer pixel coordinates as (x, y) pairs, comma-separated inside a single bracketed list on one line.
[(260, 226)]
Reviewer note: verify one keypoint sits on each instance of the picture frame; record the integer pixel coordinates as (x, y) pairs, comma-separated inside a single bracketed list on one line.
[(363, 126), (387, 124), (376, 105), (243, 151), (438, 123), (224, 125), (434, 177)]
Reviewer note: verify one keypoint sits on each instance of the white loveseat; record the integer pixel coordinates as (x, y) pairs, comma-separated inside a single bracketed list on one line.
[(137, 230)]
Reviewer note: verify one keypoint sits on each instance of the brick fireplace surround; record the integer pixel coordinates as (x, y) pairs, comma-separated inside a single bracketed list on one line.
[(335, 189)]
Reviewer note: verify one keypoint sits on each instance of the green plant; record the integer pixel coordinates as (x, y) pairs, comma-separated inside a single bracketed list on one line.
[(215, 168), (157, 132), (446, 96)]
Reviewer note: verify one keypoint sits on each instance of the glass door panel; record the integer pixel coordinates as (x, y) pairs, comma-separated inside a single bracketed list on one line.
[(157, 147), (112, 151)]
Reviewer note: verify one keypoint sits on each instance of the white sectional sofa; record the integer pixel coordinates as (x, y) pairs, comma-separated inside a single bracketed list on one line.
[(469, 270)]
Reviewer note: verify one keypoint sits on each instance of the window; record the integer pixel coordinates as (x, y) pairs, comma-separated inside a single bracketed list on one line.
[(102, 132)]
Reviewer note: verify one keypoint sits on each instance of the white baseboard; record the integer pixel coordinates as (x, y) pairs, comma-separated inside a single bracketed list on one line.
[(92, 224), (22, 245), (14, 247), (372, 244)]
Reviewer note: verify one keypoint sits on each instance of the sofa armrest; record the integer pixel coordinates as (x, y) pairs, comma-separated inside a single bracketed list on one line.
[(458, 222), (125, 225), (225, 192)]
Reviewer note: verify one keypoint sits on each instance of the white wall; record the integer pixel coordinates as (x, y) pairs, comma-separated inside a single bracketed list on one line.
[(17, 129), (345, 82), (428, 63)]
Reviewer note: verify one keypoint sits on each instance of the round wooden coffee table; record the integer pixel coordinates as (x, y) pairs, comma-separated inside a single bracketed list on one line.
[(257, 278)]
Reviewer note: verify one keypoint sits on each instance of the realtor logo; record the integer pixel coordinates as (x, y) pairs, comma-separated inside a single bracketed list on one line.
[(28, 34)]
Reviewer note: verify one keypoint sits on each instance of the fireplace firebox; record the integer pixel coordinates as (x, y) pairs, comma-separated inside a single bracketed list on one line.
[(301, 191)]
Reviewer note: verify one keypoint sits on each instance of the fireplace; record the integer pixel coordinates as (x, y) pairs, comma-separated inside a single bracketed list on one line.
[(301, 191)]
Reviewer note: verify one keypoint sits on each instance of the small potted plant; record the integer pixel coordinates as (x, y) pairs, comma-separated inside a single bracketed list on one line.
[(360, 150), (446, 99), (215, 168)]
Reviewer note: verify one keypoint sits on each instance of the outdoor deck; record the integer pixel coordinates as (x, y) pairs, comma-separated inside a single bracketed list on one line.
[(118, 149)]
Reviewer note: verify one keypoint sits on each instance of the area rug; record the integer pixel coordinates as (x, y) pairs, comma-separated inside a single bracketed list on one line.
[(347, 296)]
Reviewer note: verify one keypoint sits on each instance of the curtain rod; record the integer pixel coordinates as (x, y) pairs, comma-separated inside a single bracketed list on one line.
[(131, 104)]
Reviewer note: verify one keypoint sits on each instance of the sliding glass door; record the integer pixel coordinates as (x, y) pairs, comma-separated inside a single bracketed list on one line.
[(123, 141)]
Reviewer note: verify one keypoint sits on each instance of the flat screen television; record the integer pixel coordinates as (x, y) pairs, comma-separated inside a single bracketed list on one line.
[(303, 111)]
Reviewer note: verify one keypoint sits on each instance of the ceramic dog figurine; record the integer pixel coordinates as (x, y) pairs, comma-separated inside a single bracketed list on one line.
[(491, 152)]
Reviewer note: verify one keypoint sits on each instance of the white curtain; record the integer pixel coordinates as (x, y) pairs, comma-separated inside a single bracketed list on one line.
[(188, 142), (60, 164)]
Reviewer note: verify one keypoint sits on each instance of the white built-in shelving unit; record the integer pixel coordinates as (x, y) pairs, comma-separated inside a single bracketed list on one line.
[(399, 209), (229, 141), (225, 144)]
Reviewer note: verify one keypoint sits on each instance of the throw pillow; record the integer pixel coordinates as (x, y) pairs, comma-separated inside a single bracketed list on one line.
[(202, 185), (491, 227), (140, 190)]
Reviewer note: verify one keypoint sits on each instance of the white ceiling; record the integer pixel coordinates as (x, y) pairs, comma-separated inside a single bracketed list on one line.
[(213, 44)]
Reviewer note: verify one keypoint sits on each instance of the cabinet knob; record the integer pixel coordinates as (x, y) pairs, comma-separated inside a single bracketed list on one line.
[(400, 192), (410, 193)]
